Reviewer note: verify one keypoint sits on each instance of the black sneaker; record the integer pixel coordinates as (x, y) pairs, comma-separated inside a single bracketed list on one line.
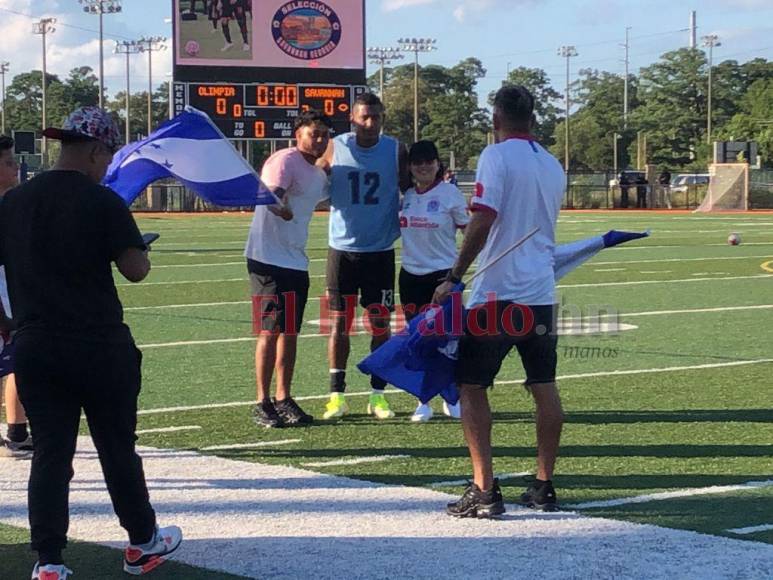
[(291, 414), (476, 503), (264, 414), (541, 496)]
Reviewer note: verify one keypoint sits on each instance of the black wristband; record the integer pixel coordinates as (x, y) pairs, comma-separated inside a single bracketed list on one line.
[(453, 279)]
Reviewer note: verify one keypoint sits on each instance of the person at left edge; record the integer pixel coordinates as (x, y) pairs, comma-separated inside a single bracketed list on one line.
[(60, 233), (279, 268)]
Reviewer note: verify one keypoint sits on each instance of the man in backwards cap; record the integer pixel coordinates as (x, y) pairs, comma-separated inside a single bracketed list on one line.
[(59, 234)]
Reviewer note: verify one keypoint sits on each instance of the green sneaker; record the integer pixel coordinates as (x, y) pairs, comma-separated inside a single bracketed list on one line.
[(336, 407), (378, 406)]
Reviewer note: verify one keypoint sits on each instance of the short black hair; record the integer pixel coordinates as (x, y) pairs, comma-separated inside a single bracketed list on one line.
[(368, 100), (515, 103), (5, 143), (311, 117), (423, 151)]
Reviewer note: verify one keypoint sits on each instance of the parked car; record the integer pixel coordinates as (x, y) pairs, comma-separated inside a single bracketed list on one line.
[(683, 181)]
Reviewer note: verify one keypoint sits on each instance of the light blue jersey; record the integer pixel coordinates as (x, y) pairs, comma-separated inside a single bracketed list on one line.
[(364, 195)]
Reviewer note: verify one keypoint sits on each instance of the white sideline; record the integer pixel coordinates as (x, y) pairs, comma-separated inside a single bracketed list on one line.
[(588, 285), (751, 529), (168, 429), (257, 445), (591, 263), (651, 370), (458, 482), (690, 492), (237, 516), (559, 378), (355, 461)]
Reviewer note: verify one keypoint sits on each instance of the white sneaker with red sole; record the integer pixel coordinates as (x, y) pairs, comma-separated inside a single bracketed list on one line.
[(140, 560)]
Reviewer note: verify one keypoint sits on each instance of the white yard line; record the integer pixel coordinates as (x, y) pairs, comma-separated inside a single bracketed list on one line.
[(655, 271), (675, 281), (751, 529), (257, 445), (593, 263), (458, 482), (590, 285), (690, 492), (689, 311), (652, 370), (168, 429), (355, 460), (193, 305), (391, 392), (240, 404), (237, 516), (610, 270)]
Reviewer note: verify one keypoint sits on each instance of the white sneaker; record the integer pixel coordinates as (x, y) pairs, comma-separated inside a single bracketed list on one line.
[(50, 572), (246, 47), (139, 560), (454, 411), (227, 47), (422, 414)]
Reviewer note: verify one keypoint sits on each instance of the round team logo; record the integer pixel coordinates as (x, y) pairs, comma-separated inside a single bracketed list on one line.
[(433, 205), (306, 30)]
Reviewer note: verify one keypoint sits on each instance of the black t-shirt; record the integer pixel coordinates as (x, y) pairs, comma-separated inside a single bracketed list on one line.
[(59, 234)]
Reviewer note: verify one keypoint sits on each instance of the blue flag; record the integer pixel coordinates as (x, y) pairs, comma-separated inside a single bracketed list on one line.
[(6, 356), (191, 149), (421, 359)]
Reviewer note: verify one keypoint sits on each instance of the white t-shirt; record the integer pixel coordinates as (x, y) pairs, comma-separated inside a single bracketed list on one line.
[(524, 185), (428, 224), (273, 240)]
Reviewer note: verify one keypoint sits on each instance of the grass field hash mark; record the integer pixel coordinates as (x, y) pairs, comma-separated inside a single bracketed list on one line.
[(666, 495)]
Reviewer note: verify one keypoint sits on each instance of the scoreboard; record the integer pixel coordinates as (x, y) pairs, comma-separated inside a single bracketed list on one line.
[(266, 110)]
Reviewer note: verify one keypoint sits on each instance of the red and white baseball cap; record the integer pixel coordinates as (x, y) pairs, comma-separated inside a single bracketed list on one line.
[(88, 123)]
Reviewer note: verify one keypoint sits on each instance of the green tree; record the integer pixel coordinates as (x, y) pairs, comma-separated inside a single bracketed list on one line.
[(138, 110), (546, 100), (673, 106), (754, 121)]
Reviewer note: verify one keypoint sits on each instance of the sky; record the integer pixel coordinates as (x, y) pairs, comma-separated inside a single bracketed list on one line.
[(501, 33)]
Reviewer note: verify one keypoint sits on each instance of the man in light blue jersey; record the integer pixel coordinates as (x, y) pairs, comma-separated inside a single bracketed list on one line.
[(368, 171)]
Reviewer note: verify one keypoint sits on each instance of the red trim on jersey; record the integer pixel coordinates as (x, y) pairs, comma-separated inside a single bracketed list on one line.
[(430, 188)]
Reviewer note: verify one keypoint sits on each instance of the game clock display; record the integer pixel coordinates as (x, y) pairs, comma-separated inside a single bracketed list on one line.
[(268, 110)]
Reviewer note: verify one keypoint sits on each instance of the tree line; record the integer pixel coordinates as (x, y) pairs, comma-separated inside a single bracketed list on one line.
[(667, 103)]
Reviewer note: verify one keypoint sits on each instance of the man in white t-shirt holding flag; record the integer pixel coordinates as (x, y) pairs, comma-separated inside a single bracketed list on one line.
[(520, 186), (279, 268)]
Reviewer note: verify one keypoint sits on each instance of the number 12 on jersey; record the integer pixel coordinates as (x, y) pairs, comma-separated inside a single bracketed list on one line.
[(368, 182)]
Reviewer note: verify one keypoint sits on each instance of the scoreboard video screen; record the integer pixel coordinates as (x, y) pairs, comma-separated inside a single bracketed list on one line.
[(254, 65), (266, 110)]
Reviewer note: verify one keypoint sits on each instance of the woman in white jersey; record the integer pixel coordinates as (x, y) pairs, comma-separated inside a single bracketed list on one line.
[(432, 211)]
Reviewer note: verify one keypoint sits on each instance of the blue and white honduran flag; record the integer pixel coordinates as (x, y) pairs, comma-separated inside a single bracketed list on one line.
[(421, 358), (191, 149)]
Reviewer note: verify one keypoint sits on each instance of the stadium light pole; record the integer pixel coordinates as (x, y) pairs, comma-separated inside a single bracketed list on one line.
[(100, 8), (4, 67), (128, 47), (416, 45), (567, 52), (710, 41), (151, 44), (44, 27), (383, 56)]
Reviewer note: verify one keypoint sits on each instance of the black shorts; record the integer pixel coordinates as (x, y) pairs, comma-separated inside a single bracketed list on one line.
[(232, 9), (486, 343), (416, 290), (371, 275), (279, 297)]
